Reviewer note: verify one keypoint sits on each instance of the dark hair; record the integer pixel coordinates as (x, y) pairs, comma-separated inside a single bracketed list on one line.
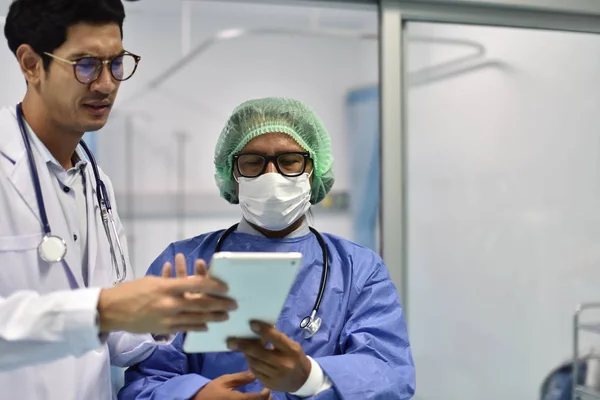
[(43, 24)]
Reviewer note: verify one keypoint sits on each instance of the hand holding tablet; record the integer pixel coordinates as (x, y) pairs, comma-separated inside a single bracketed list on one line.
[(259, 283)]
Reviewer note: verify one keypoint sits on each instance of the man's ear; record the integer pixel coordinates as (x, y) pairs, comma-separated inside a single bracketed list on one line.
[(31, 63)]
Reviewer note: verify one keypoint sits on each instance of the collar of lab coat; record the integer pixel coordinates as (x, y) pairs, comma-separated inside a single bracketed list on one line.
[(79, 161), (11, 143), (12, 146)]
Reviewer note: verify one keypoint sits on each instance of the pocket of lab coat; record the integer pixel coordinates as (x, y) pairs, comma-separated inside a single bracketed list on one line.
[(20, 243)]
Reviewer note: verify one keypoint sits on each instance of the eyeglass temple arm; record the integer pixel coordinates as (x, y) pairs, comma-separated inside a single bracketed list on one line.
[(60, 58)]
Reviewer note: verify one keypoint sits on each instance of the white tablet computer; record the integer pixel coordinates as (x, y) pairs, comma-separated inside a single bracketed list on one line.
[(259, 282)]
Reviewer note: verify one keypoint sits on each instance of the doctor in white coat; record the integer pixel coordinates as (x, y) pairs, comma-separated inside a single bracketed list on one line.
[(62, 322)]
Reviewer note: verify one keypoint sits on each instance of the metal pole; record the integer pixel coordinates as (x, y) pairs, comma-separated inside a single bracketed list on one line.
[(393, 153)]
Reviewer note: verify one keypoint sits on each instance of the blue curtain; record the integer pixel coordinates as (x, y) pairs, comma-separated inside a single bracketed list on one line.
[(363, 123)]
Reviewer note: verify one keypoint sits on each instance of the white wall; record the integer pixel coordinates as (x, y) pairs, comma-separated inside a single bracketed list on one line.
[(504, 216)]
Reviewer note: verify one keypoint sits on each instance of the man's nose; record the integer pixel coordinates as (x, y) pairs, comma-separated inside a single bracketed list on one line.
[(105, 83), (271, 167)]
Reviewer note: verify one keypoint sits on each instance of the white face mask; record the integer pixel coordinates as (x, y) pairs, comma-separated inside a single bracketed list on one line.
[(273, 201)]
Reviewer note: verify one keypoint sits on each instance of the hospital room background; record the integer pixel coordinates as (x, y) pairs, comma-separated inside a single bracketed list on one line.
[(503, 159)]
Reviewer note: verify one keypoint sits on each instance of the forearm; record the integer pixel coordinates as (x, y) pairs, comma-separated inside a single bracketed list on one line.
[(174, 388)]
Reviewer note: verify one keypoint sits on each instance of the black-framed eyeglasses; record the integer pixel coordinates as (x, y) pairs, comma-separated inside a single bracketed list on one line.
[(88, 69), (290, 164)]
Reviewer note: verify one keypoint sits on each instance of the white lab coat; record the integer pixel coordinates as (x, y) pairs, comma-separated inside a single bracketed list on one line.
[(49, 345)]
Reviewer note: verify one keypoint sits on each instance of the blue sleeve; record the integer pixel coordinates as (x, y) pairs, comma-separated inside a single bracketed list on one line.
[(166, 374), (377, 362)]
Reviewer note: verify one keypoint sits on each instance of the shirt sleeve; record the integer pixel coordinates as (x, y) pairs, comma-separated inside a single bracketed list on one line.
[(316, 383), (38, 328), (165, 375)]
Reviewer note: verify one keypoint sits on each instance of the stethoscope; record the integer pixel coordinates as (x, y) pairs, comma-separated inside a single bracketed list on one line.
[(52, 248), (311, 323)]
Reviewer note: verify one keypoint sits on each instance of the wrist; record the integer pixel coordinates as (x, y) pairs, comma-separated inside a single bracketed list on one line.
[(304, 373), (104, 318), (306, 367), (199, 395), (315, 380)]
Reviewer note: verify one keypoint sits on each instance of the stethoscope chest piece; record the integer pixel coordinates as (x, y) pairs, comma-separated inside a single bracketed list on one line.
[(52, 249), (310, 326)]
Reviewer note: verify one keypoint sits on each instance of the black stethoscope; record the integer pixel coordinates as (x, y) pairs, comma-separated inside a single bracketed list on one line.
[(52, 248), (311, 323)]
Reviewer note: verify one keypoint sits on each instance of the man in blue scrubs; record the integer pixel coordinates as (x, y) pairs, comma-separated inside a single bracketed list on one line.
[(274, 159)]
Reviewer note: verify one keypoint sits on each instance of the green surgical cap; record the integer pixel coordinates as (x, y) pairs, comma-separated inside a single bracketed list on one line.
[(271, 115)]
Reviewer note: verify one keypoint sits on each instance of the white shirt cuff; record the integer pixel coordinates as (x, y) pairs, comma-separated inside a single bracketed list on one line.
[(316, 383)]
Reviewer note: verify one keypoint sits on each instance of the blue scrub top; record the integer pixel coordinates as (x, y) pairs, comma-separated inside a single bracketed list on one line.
[(362, 345)]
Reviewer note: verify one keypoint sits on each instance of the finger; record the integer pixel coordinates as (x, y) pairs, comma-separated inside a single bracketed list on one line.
[(167, 270), (245, 345), (205, 303), (193, 296), (265, 380), (200, 268), (197, 284), (166, 328), (255, 349), (236, 380), (190, 328), (264, 394), (180, 266), (258, 366), (197, 318), (270, 334)]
